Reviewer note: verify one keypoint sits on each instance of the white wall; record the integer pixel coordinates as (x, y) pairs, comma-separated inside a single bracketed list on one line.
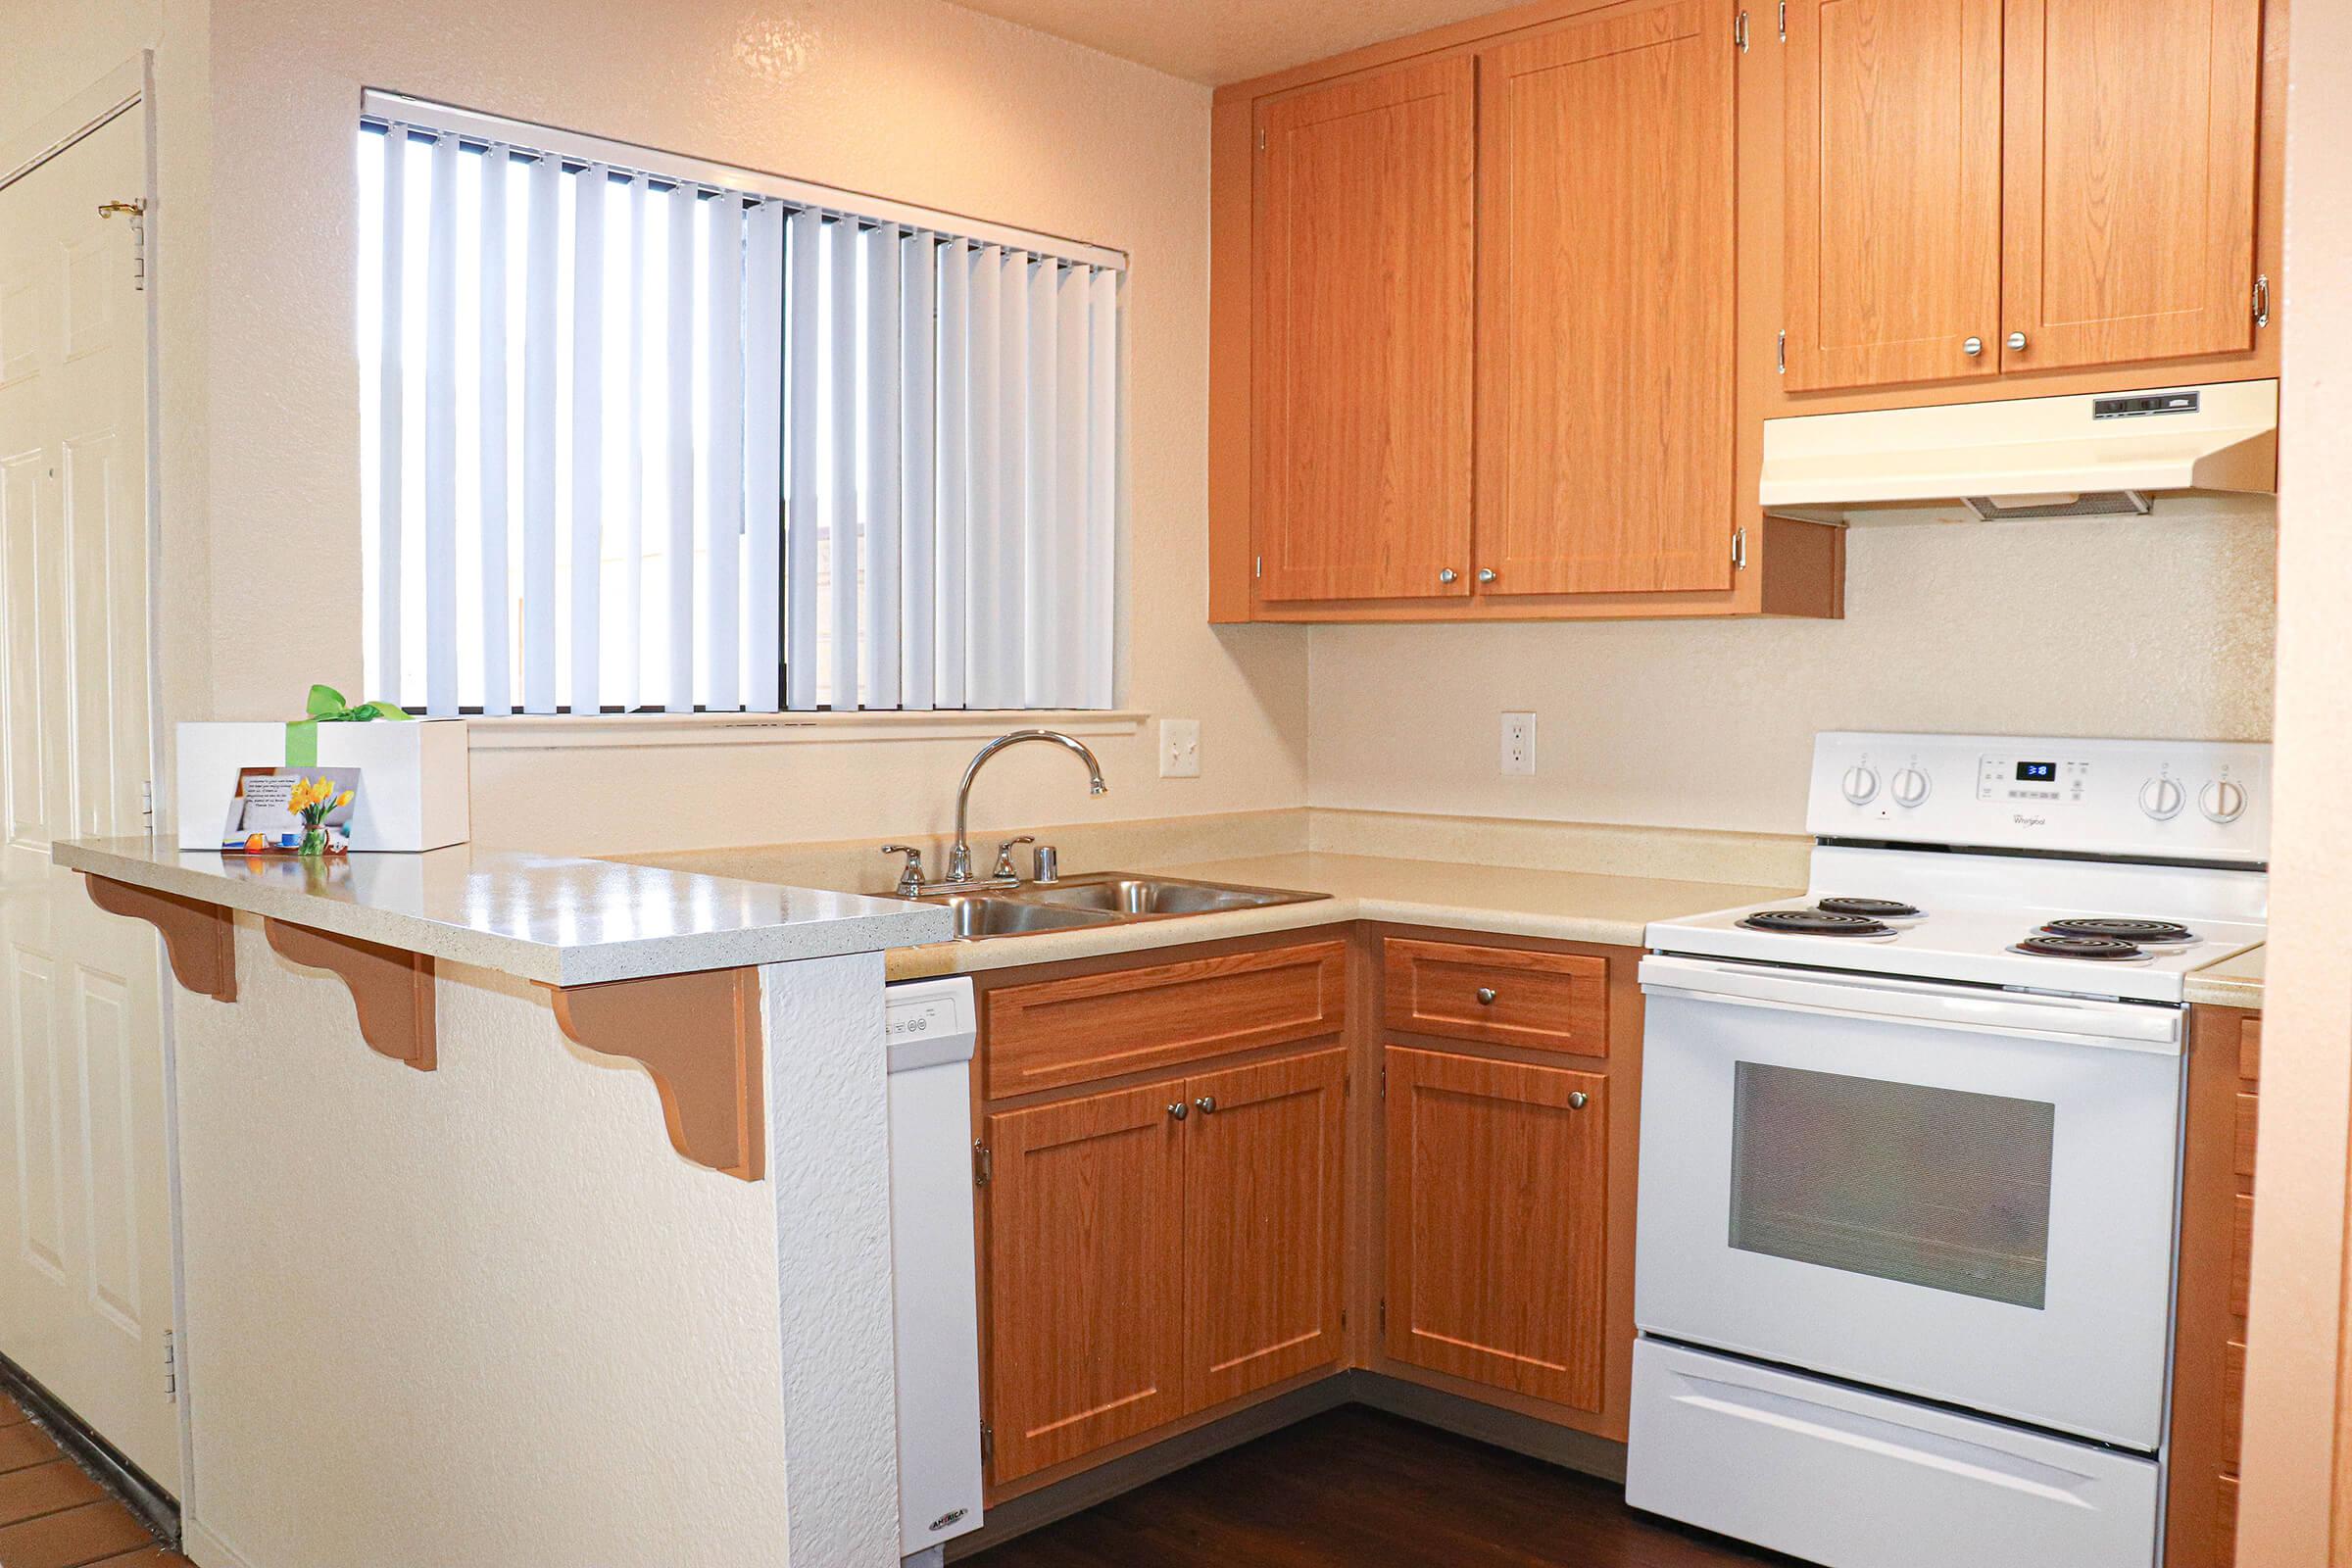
[(2295, 1407), (913, 99), (2147, 626)]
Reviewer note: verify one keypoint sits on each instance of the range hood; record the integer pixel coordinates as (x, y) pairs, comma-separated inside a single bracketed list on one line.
[(2091, 456)]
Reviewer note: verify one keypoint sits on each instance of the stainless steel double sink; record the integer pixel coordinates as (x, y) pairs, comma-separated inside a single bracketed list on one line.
[(1101, 899)]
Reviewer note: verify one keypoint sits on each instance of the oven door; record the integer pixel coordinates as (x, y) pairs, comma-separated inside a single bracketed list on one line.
[(1961, 1194)]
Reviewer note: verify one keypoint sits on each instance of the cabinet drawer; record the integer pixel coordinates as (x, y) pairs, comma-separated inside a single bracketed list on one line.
[(1056, 1032), (2249, 1050), (1500, 996)]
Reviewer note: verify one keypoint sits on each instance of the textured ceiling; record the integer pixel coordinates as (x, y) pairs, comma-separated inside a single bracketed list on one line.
[(1227, 40)]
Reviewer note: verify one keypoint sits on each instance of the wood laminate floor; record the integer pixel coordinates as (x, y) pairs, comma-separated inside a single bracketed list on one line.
[(54, 1516), (1357, 1487)]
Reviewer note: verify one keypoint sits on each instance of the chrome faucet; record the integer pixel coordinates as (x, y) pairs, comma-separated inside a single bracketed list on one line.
[(959, 858)]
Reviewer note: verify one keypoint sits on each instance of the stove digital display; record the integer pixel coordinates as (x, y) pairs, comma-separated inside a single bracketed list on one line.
[(2037, 772)]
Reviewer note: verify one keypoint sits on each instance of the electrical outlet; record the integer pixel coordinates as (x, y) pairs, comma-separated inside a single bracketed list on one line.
[(1518, 743), (1179, 748)]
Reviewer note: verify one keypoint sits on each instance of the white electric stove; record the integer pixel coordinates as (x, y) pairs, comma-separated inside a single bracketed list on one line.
[(1910, 1155)]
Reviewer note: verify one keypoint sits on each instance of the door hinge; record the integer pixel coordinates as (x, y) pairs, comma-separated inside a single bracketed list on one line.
[(147, 801), (1342, 1320), (171, 1367), (1738, 549), (988, 1444), (137, 211), (1384, 1314), (2261, 299), (1784, 350), (984, 1164), (1262, 138), (1784, 20), (1384, 1083), (1739, 31), (1261, 566)]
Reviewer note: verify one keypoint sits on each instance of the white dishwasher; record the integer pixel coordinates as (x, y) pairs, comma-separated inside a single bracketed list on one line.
[(931, 1026)]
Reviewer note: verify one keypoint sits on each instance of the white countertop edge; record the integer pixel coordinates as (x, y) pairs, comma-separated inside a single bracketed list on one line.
[(1094, 942), (881, 926)]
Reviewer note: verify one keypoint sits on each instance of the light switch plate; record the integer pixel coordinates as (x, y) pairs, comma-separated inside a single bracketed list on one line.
[(1519, 743), (1179, 748)]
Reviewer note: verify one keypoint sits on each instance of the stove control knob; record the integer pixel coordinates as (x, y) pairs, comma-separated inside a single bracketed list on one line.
[(2222, 801), (2161, 799), (1860, 784), (1910, 787)]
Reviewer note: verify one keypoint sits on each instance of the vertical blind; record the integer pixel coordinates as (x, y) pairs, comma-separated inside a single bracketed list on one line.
[(637, 439)]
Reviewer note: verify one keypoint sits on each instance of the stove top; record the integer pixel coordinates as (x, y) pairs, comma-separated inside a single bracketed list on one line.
[(1996, 944), (2092, 867)]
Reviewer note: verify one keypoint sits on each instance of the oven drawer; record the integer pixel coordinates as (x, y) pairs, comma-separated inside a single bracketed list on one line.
[(1855, 1480), (1498, 995)]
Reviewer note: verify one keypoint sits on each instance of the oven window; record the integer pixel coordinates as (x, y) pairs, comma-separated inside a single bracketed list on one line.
[(1933, 1186)]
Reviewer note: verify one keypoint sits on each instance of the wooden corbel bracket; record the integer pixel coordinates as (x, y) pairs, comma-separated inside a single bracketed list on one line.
[(392, 988), (699, 1036), (200, 938)]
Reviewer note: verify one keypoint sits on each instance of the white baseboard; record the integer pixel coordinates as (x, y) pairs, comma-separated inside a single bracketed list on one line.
[(206, 1550)]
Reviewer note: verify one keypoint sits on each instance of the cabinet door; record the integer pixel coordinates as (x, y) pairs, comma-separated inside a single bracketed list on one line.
[(1498, 1188), (1893, 194), (1605, 291), (1264, 1201), (2128, 224), (1362, 333), (1085, 1274)]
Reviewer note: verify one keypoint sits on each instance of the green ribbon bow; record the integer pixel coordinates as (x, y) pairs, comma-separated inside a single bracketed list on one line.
[(328, 705)]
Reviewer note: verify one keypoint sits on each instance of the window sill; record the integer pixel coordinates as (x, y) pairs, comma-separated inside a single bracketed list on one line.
[(560, 732)]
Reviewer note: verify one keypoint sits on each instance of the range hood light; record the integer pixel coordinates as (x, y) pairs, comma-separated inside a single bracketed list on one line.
[(2097, 504)]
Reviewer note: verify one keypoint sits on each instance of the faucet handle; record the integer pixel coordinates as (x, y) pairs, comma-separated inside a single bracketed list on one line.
[(1004, 855), (910, 876)]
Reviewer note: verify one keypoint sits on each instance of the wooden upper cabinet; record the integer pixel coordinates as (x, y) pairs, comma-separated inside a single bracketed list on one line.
[(1607, 279), (2130, 217), (1361, 336), (1085, 1274), (1498, 1223), (1264, 1167), (1894, 190)]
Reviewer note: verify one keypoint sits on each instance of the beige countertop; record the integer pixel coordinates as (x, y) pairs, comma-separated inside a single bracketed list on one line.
[(2232, 983), (548, 919), (1565, 906)]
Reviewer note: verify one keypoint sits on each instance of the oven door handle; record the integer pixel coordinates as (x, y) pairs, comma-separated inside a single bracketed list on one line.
[(2064, 1021)]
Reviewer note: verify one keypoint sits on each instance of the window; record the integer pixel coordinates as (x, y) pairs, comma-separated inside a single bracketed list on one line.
[(641, 433)]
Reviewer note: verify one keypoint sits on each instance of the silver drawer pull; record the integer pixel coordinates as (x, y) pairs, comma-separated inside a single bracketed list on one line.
[(1578, 1100), (1487, 995), (1177, 1109), (1207, 1104)]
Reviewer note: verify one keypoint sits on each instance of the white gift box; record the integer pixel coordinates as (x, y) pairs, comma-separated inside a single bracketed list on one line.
[(413, 783)]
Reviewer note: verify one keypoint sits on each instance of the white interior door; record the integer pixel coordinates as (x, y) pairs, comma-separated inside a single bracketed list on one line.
[(85, 1240)]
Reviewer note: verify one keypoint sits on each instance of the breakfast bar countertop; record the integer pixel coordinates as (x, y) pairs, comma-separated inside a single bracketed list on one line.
[(560, 920)]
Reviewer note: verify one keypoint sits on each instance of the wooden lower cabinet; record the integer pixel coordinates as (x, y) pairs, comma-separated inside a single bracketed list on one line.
[(1085, 1274), (1498, 1223), (1264, 1249), (2209, 1335), (1156, 1250), (1245, 1213)]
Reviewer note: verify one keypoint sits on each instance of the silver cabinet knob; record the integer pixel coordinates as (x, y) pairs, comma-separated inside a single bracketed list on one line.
[(1178, 1110), (1449, 574), (1578, 1100), (2016, 340), (1207, 1104), (1486, 575), (1487, 995), (1971, 347)]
